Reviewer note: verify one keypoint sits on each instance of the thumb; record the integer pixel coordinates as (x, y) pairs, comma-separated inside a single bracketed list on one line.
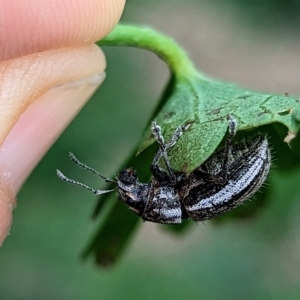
[(48, 70)]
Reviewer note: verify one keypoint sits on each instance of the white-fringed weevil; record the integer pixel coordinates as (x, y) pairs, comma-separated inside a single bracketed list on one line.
[(224, 181)]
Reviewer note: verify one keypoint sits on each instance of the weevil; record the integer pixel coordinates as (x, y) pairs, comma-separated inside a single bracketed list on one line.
[(223, 182)]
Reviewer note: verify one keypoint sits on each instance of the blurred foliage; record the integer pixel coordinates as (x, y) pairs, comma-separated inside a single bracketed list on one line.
[(265, 14), (254, 257)]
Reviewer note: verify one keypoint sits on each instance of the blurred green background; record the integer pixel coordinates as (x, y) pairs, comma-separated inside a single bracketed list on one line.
[(252, 43)]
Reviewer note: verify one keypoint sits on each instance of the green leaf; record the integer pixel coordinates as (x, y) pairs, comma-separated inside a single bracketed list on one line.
[(192, 98), (206, 104), (203, 102)]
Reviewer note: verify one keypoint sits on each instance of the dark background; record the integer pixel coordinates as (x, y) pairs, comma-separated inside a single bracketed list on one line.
[(252, 43)]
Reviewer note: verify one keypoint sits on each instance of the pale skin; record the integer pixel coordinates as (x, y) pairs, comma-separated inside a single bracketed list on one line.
[(49, 67)]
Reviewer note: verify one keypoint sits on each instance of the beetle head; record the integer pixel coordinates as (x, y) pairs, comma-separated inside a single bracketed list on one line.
[(133, 192)]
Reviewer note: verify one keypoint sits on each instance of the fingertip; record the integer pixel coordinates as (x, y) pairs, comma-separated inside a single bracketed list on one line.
[(36, 26)]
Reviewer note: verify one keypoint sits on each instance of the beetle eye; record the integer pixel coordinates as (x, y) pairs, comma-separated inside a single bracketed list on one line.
[(128, 176)]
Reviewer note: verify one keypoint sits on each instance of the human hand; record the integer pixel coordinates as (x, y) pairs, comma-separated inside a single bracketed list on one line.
[(49, 67)]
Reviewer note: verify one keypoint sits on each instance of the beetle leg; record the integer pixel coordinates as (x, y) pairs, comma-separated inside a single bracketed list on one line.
[(232, 125)]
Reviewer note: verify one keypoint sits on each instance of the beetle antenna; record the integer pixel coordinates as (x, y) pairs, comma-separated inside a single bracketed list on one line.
[(84, 166), (71, 181)]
